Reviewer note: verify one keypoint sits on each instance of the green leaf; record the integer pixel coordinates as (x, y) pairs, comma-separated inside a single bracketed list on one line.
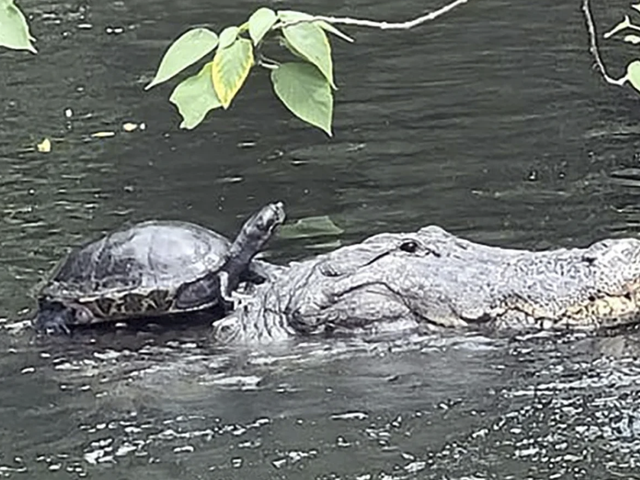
[(306, 92), (228, 36), (230, 69), (184, 52), (195, 97), (310, 227), (260, 23), (14, 30), (293, 16), (633, 74), (311, 43)]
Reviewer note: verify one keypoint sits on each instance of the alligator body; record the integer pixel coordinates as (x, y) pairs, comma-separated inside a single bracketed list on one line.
[(432, 279)]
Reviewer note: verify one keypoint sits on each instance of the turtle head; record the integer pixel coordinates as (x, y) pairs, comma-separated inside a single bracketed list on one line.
[(261, 226), (257, 231)]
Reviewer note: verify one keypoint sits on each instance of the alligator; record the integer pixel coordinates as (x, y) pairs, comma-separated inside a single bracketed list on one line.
[(434, 280)]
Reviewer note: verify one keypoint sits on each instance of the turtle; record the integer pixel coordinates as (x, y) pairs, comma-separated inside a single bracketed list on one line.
[(152, 269)]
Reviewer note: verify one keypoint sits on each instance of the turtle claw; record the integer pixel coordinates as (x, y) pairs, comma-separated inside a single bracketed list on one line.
[(52, 321), (241, 298), (58, 327), (54, 325)]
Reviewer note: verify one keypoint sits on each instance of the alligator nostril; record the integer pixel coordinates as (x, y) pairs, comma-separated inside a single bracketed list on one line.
[(410, 246)]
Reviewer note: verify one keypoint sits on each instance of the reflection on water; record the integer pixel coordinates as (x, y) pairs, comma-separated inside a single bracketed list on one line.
[(492, 127)]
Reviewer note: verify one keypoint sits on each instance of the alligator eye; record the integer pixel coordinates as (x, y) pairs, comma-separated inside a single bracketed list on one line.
[(409, 246)]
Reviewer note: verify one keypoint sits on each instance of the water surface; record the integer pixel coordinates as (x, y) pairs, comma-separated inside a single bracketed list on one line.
[(489, 122)]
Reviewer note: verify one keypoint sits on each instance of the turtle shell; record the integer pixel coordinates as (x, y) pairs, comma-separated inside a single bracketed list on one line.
[(137, 271)]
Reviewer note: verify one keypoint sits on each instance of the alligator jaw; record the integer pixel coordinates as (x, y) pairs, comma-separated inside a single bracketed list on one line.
[(607, 310)]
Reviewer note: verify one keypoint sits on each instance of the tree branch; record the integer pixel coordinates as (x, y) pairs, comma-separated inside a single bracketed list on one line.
[(382, 25), (593, 47)]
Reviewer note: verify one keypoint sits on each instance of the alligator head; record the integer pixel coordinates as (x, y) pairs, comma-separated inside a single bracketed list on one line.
[(433, 279)]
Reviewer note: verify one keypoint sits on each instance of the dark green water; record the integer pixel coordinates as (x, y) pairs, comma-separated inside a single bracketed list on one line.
[(489, 122)]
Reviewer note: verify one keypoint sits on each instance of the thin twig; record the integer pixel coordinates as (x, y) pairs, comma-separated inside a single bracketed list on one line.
[(593, 47), (623, 25), (381, 25)]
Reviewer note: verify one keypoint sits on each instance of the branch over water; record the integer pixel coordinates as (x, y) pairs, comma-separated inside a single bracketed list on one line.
[(593, 47), (384, 25)]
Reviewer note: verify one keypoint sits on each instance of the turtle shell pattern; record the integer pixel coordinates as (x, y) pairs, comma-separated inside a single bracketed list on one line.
[(137, 271)]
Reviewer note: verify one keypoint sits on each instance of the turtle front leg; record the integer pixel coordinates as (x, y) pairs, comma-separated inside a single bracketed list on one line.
[(229, 298), (57, 319), (225, 294), (57, 327)]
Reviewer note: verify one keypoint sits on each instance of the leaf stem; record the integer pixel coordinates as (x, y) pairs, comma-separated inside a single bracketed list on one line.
[(267, 63)]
